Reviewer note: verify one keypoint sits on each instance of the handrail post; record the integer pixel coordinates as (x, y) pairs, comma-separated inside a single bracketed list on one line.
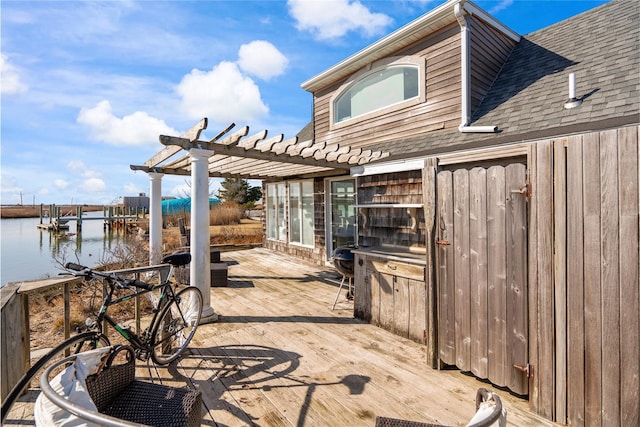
[(66, 296), (137, 308)]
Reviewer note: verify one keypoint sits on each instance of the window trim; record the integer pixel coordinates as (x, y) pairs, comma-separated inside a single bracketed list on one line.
[(300, 207), (328, 232), (382, 64), (274, 186)]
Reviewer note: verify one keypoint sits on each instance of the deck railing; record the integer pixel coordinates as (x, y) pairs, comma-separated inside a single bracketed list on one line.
[(15, 348)]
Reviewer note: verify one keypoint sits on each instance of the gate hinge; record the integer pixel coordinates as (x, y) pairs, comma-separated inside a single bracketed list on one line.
[(442, 242), (526, 369)]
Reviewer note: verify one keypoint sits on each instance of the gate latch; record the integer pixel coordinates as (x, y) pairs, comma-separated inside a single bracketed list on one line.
[(526, 191), (526, 369), (442, 242)]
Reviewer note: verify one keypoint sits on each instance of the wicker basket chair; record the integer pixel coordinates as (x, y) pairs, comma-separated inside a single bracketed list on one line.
[(122, 400)]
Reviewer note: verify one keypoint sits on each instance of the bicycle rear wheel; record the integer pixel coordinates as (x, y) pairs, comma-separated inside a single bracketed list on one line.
[(73, 345), (177, 324)]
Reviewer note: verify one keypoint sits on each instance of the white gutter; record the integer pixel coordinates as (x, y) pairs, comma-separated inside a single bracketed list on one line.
[(465, 66)]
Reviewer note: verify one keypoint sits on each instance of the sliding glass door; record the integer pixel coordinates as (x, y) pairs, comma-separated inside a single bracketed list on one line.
[(341, 214)]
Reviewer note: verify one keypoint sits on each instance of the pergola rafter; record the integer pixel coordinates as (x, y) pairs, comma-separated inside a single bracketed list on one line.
[(254, 157), (233, 155)]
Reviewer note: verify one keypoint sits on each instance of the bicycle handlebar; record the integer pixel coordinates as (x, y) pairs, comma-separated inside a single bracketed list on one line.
[(86, 271)]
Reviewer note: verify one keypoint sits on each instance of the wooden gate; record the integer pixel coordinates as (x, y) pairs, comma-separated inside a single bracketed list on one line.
[(481, 241)]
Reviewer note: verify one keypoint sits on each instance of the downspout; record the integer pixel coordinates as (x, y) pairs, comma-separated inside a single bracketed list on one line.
[(465, 65)]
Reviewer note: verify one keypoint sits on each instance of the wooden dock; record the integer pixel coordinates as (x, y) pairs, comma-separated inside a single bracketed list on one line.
[(113, 216), (279, 356)]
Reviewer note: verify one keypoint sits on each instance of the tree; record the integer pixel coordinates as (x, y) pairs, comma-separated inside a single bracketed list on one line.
[(239, 191), (186, 192)]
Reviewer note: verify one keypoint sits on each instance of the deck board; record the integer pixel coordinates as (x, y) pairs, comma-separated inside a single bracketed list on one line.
[(279, 356)]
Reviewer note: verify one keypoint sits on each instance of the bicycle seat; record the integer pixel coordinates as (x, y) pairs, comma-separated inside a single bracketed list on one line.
[(177, 259)]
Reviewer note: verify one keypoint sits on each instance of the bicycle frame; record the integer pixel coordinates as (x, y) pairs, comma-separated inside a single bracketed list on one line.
[(139, 342)]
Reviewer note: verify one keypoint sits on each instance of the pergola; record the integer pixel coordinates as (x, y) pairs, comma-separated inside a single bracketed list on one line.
[(233, 155)]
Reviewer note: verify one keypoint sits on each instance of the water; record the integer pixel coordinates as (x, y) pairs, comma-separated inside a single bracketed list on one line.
[(28, 253)]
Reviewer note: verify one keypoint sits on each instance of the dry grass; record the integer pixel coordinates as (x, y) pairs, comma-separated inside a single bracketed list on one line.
[(46, 313), (225, 214)]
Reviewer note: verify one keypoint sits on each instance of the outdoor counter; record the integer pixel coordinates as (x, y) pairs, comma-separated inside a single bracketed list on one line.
[(410, 255)]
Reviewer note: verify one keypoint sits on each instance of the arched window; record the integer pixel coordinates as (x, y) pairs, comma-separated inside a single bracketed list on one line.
[(376, 90)]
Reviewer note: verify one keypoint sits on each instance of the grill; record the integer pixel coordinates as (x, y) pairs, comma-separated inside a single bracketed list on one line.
[(343, 261)]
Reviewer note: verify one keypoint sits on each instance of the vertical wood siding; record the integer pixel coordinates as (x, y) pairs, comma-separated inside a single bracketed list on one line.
[(567, 300), (542, 355), (602, 305), (14, 343)]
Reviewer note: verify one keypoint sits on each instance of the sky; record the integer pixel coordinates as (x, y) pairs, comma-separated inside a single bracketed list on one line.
[(87, 87)]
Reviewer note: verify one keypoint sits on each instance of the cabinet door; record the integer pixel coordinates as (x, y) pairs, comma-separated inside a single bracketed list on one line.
[(398, 298), (386, 294)]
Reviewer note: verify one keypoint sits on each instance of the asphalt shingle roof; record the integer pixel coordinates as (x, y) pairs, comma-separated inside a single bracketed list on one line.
[(526, 102)]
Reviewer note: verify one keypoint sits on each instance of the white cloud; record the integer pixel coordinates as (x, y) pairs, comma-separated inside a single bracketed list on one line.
[(333, 19), (132, 189), (500, 6), (135, 129), (223, 95), (77, 167), (60, 184), (10, 83), (93, 185), (262, 59)]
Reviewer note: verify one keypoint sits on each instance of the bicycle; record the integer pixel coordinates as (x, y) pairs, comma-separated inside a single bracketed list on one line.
[(176, 316)]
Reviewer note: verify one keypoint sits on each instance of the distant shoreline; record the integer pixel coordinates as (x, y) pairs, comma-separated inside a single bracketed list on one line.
[(24, 211)]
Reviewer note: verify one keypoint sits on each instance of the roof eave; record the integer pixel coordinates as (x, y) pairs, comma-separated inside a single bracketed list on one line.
[(422, 27)]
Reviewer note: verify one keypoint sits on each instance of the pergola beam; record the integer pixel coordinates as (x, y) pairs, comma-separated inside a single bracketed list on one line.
[(192, 135), (254, 154)]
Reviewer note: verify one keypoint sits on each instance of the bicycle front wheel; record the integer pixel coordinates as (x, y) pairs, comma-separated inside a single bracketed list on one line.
[(76, 344), (177, 324)]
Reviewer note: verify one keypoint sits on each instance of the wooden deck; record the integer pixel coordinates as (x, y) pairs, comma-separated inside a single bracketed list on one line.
[(279, 356)]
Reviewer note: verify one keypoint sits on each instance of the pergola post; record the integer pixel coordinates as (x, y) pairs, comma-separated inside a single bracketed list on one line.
[(200, 273), (155, 218)]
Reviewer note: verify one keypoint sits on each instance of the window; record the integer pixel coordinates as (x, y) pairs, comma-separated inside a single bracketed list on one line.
[(276, 209), (301, 213), (299, 207), (374, 91)]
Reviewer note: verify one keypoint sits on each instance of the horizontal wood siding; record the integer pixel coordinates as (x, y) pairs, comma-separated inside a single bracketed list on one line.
[(489, 51), (391, 225), (441, 54)]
